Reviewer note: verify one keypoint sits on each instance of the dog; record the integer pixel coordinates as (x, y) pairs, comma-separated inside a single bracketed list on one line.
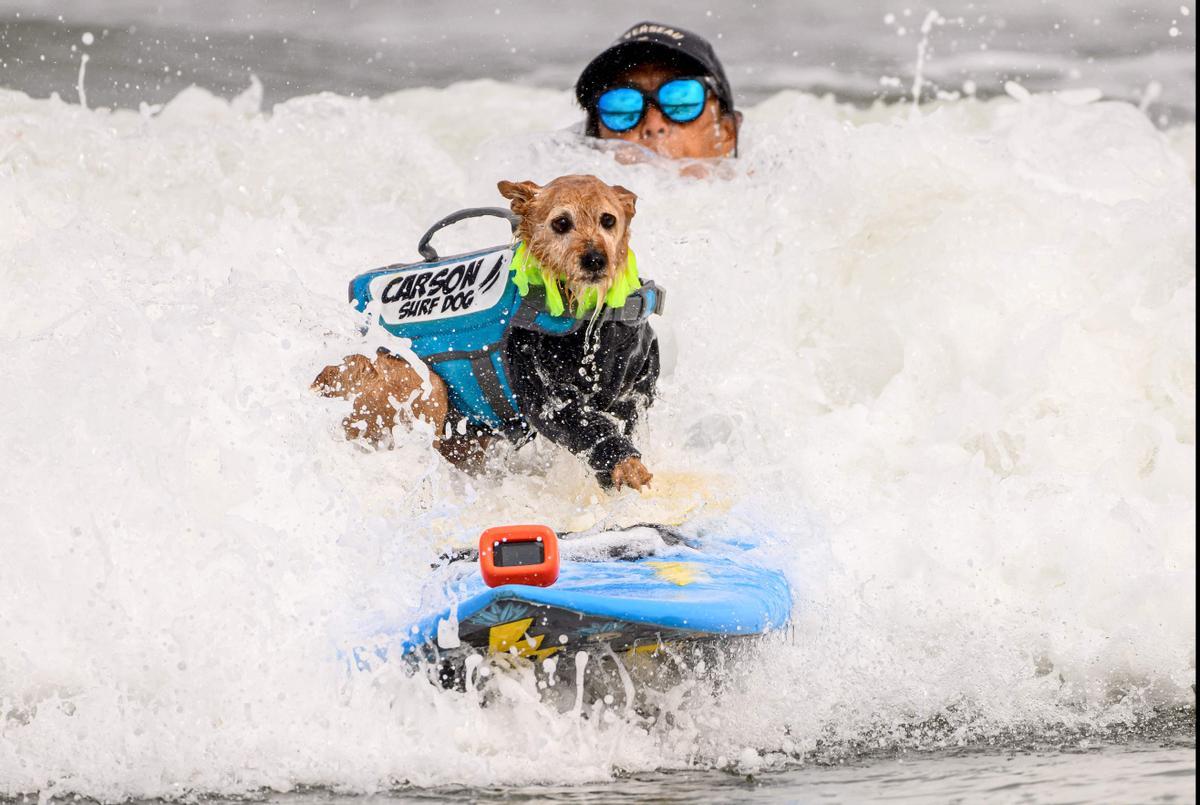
[(583, 391)]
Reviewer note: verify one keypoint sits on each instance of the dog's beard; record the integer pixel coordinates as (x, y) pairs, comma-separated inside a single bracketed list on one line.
[(577, 293)]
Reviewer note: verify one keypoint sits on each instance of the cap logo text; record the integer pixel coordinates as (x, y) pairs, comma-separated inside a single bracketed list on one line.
[(641, 30)]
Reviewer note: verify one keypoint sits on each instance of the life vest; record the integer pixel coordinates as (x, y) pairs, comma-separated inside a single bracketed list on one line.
[(458, 312)]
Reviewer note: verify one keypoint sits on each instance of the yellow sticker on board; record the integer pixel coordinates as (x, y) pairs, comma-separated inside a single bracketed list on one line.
[(504, 638), (680, 573)]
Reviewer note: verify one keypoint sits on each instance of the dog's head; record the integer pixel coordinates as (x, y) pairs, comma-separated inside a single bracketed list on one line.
[(576, 226)]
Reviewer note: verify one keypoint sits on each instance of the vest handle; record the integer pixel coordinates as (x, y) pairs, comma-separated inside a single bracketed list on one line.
[(428, 252)]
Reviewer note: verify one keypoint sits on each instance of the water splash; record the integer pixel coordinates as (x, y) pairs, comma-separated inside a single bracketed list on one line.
[(79, 89), (931, 18), (942, 366)]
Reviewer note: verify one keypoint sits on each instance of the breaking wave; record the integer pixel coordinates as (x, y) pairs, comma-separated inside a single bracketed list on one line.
[(941, 362)]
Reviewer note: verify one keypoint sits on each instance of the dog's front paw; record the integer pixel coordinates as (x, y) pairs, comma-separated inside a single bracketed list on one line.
[(345, 379), (631, 472)]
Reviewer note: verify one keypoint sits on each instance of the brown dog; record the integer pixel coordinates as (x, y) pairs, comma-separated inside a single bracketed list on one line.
[(577, 228)]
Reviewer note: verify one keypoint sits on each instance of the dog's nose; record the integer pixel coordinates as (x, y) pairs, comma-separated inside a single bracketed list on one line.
[(593, 260)]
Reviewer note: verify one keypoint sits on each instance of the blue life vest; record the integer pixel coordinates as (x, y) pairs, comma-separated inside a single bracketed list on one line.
[(458, 311)]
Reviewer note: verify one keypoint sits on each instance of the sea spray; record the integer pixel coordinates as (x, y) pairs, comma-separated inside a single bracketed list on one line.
[(943, 366)]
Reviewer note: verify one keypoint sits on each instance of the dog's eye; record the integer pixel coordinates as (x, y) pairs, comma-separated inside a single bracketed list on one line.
[(608, 220), (562, 224)]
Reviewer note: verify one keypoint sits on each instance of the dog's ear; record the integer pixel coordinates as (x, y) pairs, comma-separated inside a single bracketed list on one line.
[(628, 200), (519, 193)]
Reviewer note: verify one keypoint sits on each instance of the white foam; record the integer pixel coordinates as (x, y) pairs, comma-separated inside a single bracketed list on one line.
[(945, 363)]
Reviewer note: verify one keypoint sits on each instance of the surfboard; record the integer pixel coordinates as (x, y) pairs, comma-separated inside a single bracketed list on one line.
[(635, 590)]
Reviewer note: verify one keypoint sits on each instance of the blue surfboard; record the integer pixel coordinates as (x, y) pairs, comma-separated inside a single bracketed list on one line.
[(636, 589)]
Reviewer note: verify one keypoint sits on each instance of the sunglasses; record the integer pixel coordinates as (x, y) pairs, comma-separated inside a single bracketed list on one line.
[(681, 100)]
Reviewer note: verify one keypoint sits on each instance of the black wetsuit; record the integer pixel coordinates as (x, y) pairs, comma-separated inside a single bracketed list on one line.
[(591, 413)]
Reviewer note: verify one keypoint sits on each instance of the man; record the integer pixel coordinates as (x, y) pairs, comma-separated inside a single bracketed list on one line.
[(664, 89)]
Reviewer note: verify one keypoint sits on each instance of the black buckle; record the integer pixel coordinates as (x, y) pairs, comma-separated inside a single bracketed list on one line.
[(634, 318)]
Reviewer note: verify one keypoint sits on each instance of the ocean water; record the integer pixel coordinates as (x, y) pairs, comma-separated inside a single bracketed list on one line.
[(941, 359), (1143, 52)]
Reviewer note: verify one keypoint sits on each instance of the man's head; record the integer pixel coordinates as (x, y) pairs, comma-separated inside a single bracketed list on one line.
[(663, 88)]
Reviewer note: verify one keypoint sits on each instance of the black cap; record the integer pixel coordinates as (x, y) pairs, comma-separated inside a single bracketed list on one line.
[(640, 44)]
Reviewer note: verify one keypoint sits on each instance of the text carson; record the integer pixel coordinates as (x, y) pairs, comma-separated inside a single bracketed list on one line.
[(420, 292)]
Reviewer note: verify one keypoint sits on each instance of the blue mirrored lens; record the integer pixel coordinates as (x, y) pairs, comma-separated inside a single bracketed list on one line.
[(682, 100), (621, 108), (620, 121)]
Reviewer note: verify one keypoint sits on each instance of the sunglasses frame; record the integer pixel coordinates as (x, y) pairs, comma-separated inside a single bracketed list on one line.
[(648, 99)]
